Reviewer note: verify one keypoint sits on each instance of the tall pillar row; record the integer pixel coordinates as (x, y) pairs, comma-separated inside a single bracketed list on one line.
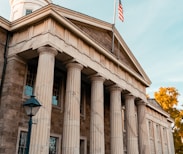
[(116, 120), (97, 116), (71, 127), (131, 125), (43, 91)]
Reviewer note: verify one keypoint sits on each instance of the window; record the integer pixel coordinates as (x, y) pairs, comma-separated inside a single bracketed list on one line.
[(30, 80), (83, 145), (56, 93), (53, 147), (28, 11), (22, 142), (58, 89), (83, 100), (58, 85)]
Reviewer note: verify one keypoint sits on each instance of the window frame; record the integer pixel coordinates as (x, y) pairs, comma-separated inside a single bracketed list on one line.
[(61, 94), (85, 143), (61, 91), (26, 9), (21, 129), (83, 100), (25, 82)]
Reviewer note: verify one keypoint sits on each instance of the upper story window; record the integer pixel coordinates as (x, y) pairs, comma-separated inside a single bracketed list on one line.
[(58, 89), (28, 11), (58, 85), (83, 100), (58, 92), (30, 80)]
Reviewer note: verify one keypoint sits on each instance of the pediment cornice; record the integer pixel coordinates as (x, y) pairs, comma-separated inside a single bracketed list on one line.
[(65, 16)]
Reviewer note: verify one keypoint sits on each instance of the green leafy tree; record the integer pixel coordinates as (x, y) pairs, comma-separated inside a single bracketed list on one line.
[(167, 97)]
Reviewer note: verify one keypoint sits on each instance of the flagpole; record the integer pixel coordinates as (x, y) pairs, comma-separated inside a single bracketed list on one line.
[(113, 26), (114, 17)]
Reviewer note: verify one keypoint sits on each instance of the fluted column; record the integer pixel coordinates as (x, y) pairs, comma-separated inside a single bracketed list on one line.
[(142, 128), (43, 91), (116, 120), (97, 116), (170, 140), (131, 125), (71, 127)]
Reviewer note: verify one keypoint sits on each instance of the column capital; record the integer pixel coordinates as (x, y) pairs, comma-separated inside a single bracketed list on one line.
[(74, 65), (129, 96), (97, 77), (114, 87), (141, 102), (47, 49)]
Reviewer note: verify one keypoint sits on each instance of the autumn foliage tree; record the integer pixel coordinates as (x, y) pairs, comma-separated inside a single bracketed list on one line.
[(167, 97)]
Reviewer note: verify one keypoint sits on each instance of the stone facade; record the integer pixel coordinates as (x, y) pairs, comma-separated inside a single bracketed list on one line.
[(93, 100)]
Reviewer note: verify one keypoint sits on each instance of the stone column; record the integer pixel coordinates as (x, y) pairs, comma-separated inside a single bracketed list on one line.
[(116, 121), (131, 125), (155, 138), (170, 139), (71, 127), (43, 91), (97, 116), (142, 128)]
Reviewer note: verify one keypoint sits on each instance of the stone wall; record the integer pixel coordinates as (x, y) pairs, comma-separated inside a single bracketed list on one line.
[(3, 35), (11, 111)]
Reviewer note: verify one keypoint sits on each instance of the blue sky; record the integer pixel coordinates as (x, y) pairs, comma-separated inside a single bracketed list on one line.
[(153, 30)]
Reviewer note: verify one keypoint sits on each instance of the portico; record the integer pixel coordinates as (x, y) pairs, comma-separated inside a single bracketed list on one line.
[(90, 96), (71, 110)]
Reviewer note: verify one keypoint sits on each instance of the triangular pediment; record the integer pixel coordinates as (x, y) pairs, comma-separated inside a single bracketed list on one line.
[(103, 37), (102, 33), (99, 33)]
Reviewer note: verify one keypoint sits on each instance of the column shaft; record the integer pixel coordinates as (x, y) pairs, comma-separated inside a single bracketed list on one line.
[(71, 127), (116, 121), (43, 91), (97, 116), (131, 125), (142, 128)]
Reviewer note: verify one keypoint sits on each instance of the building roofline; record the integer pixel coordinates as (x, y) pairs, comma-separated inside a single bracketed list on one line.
[(61, 14), (5, 23), (158, 109)]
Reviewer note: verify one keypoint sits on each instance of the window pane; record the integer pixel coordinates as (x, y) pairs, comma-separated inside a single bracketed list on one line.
[(53, 145), (56, 92), (83, 99), (23, 139), (22, 142), (30, 80), (82, 146), (28, 11)]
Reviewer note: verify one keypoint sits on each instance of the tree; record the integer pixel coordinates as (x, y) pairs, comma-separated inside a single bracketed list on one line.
[(167, 97)]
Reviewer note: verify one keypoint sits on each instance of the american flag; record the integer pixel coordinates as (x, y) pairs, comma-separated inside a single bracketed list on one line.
[(120, 10)]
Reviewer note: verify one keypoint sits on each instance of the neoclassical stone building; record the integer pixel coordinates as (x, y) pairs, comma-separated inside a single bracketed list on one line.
[(93, 97)]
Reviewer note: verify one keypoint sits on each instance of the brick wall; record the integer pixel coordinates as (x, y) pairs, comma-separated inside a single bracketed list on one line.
[(3, 35), (11, 111)]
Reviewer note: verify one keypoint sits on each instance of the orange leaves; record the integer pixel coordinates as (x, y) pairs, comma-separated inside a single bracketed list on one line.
[(167, 97)]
